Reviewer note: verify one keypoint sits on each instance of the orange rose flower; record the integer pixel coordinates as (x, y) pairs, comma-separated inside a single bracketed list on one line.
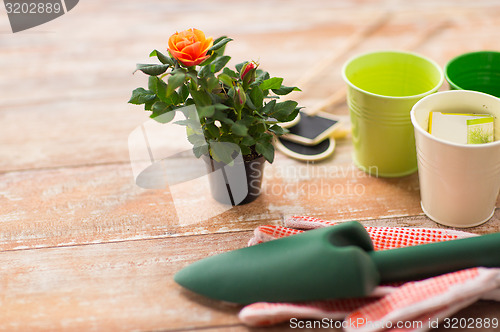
[(190, 47)]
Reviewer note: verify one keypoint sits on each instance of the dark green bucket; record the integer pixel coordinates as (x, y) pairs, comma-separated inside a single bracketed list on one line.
[(477, 71)]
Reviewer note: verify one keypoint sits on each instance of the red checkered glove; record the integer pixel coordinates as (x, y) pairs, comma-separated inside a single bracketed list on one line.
[(411, 306)]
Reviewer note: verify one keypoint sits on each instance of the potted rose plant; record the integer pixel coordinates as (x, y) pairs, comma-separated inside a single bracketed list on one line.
[(239, 107)]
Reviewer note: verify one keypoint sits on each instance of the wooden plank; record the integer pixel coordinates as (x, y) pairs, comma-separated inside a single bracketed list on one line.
[(116, 286), (124, 286), (78, 93), (90, 122), (80, 205), (83, 248)]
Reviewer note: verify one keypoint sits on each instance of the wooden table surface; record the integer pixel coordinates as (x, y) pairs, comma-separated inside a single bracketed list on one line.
[(83, 248)]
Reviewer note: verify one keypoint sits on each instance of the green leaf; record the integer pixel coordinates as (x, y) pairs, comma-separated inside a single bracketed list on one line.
[(161, 89), (284, 90), (218, 39), (149, 104), (278, 130), (283, 111), (153, 70), (239, 129), (249, 104), (205, 111), (175, 81), (213, 130), (197, 140), (219, 63), (257, 97), (231, 92), (160, 107), (248, 141), (269, 107), (271, 83), (261, 76), (201, 98), (221, 107), (192, 75), (257, 129), (222, 151), (173, 99), (219, 42), (226, 79), (229, 72), (205, 70), (200, 150), (212, 83), (239, 66), (227, 121), (183, 93), (209, 60), (141, 96), (184, 122), (265, 138), (230, 138), (163, 116), (163, 58), (193, 128), (153, 83), (245, 150), (265, 149)]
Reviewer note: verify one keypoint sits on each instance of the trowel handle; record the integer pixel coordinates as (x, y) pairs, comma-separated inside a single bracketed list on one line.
[(428, 260)]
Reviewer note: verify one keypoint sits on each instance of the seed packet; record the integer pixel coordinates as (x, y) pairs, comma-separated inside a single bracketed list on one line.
[(462, 128)]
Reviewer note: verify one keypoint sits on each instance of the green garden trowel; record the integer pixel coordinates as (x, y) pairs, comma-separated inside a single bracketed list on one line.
[(328, 263)]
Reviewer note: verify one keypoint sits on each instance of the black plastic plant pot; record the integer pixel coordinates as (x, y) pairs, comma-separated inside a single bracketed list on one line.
[(236, 184)]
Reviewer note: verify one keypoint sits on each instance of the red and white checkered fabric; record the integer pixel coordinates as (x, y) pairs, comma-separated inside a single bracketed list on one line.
[(423, 301), (389, 306)]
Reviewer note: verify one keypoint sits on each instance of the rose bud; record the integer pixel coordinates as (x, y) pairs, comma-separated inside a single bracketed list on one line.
[(246, 68), (240, 96)]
